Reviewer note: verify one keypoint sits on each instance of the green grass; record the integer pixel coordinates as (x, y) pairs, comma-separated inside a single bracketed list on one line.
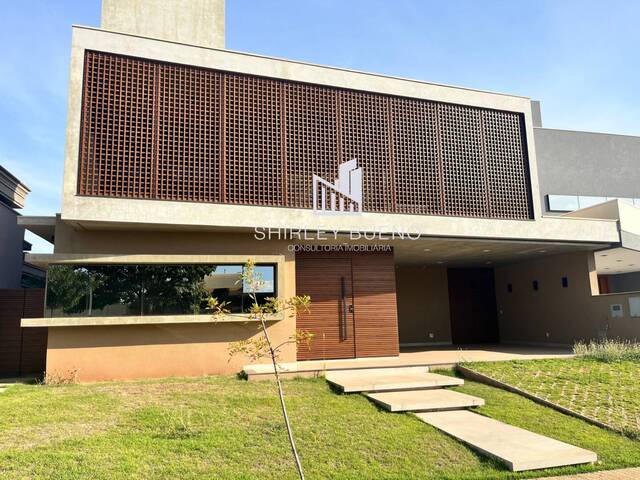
[(221, 427), (605, 391)]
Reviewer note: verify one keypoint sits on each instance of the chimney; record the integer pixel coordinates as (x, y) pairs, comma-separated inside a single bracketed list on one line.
[(195, 22)]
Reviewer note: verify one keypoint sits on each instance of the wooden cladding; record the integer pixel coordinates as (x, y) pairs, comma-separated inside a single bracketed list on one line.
[(160, 131), (22, 350), (353, 305)]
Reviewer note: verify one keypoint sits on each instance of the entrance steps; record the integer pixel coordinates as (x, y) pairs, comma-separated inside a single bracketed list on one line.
[(424, 400), (519, 449), (388, 379), (416, 390)]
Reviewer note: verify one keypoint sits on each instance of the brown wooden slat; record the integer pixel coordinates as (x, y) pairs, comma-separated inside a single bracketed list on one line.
[(173, 132), (320, 278), (374, 287), (22, 350), (373, 329)]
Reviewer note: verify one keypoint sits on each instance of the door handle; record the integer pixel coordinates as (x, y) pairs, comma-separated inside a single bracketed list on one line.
[(343, 320), (350, 308)]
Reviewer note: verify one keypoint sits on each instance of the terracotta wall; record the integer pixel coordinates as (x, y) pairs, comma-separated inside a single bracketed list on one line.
[(138, 351), (554, 314), (423, 305)]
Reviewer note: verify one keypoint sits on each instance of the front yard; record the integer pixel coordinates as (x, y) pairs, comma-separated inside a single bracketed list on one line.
[(606, 392), (222, 427)]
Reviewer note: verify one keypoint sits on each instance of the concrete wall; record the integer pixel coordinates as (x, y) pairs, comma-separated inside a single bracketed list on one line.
[(584, 163), (11, 237), (134, 351), (194, 22), (423, 305), (554, 314)]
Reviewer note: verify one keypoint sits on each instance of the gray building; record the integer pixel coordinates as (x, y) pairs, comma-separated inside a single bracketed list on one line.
[(14, 272), (581, 169)]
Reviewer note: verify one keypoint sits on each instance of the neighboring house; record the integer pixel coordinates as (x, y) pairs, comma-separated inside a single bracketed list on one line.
[(184, 159), (14, 271)]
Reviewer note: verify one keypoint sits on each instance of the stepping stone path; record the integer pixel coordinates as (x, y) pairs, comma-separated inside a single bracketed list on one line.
[(416, 390)]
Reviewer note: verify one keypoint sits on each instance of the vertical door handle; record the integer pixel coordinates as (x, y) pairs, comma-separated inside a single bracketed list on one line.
[(343, 319)]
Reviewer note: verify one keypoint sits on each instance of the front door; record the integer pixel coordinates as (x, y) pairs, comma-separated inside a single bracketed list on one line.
[(331, 317), (472, 305)]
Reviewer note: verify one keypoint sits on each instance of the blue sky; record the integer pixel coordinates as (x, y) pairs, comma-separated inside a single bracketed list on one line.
[(580, 58)]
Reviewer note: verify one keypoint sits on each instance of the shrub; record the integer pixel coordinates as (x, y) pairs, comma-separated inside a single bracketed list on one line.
[(607, 350)]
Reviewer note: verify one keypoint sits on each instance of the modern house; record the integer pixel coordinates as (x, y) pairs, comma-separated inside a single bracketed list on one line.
[(413, 213)]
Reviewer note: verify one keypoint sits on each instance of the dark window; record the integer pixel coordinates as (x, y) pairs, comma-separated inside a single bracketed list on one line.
[(122, 290), (509, 288), (565, 282), (535, 285)]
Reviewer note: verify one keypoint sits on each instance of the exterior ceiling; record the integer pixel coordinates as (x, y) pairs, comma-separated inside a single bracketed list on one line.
[(447, 252), (617, 260)]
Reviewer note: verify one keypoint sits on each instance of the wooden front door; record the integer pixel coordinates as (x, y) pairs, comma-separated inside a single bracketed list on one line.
[(331, 319), (472, 305)]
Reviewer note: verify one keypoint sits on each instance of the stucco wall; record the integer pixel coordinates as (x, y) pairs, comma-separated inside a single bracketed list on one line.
[(137, 351), (554, 314), (11, 236), (574, 163), (423, 305)]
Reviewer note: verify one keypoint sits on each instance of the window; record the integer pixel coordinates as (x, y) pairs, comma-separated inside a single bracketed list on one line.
[(122, 290), (562, 203), (586, 201)]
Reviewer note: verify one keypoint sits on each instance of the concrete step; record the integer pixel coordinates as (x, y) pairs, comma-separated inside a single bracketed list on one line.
[(391, 379), (424, 400), (519, 449)]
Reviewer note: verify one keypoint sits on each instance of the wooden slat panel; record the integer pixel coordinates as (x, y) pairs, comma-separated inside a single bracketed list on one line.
[(320, 278), (11, 305), (374, 286), (155, 130), (34, 340), (254, 173), (15, 341), (374, 332)]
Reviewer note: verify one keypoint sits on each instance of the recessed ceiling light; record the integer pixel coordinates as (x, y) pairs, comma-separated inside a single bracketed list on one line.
[(618, 261), (632, 264), (606, 268), (603, 254), (488, 263), (427, 250), (543, 251), (439, 262), (486, 250)]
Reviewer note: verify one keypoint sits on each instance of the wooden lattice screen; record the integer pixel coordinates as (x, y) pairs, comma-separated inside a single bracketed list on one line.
[(160, 131)]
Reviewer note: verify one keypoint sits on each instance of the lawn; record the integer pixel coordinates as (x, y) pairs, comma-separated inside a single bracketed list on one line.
[(222, 427), (607, 392)]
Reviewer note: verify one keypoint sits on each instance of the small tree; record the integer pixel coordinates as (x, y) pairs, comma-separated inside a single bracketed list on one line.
[(261, 346)]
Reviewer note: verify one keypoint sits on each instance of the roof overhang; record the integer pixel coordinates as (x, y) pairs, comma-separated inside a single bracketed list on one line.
[(44, 227), (12, 191)]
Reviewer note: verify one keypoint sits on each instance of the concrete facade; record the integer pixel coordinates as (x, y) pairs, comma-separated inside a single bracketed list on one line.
[(152, 349), (194, 22), (586, 163), (554, 314)]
